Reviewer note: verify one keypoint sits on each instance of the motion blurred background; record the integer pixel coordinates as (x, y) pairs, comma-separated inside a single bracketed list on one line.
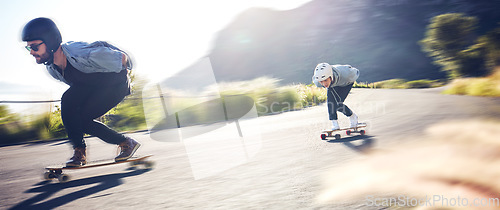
[(272, 45)]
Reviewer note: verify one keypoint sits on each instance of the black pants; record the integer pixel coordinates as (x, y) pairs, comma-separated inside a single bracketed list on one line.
[(80, 105), (336, 97)]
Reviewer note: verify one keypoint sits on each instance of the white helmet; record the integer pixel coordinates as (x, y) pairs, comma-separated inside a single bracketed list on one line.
[(322, 72)]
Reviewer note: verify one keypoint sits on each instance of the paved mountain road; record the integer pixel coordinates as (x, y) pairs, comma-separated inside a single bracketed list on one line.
[(278, 165)]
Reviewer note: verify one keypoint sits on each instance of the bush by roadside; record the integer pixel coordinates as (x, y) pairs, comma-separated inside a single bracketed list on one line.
[(404, 84), (267, 94), (271, 98), (486, 86)]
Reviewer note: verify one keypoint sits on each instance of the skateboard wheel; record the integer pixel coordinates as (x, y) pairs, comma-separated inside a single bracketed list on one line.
[(348, 132), (63, 178), (337, 136), (362, 132), (149, 164), (323, 136), (48, 176)]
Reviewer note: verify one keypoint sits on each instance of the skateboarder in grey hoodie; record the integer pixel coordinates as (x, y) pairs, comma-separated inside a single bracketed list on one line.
[(338, 79)]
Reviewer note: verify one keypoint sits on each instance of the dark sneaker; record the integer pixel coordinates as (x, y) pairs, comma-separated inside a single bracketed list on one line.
[(128, 148), (79, 158)]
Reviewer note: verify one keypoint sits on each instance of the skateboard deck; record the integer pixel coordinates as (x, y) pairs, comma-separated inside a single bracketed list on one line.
[(329, 133), (56, 172)]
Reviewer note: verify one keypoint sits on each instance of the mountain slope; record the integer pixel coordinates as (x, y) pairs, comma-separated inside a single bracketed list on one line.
[(378, 37)]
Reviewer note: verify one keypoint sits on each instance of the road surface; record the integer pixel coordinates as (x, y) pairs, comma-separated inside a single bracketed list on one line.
[(277, 165)]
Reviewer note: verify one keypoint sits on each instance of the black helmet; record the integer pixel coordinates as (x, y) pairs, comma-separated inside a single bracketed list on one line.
[(43, 29)]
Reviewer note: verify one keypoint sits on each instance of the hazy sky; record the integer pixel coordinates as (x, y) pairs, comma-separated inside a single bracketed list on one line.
[(162, 36)]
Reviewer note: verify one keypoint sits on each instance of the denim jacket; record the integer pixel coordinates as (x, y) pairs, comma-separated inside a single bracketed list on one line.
[(93, 57), (344, 75)]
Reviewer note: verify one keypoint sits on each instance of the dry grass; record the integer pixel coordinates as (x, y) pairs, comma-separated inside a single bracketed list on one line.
[(487, 86)]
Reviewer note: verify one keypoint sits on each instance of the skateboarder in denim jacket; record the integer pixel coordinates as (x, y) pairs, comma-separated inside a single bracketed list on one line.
[(97, 75), (338, 79)]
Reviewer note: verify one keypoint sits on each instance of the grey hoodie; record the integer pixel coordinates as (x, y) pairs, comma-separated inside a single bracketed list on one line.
[(343, 75)]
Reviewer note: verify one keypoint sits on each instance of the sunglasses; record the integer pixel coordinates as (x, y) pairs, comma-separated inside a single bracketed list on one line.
[(34, 47)]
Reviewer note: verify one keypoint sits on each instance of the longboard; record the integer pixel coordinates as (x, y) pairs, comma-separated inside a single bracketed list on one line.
[(358, 129), (56, 172)]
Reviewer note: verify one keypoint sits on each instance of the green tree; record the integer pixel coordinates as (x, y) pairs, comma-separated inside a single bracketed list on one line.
[(481, 58), (471, 61), (491, 43), (446, 37)]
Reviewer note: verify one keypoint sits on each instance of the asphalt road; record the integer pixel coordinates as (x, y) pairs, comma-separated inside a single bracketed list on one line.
[(277, 164)]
